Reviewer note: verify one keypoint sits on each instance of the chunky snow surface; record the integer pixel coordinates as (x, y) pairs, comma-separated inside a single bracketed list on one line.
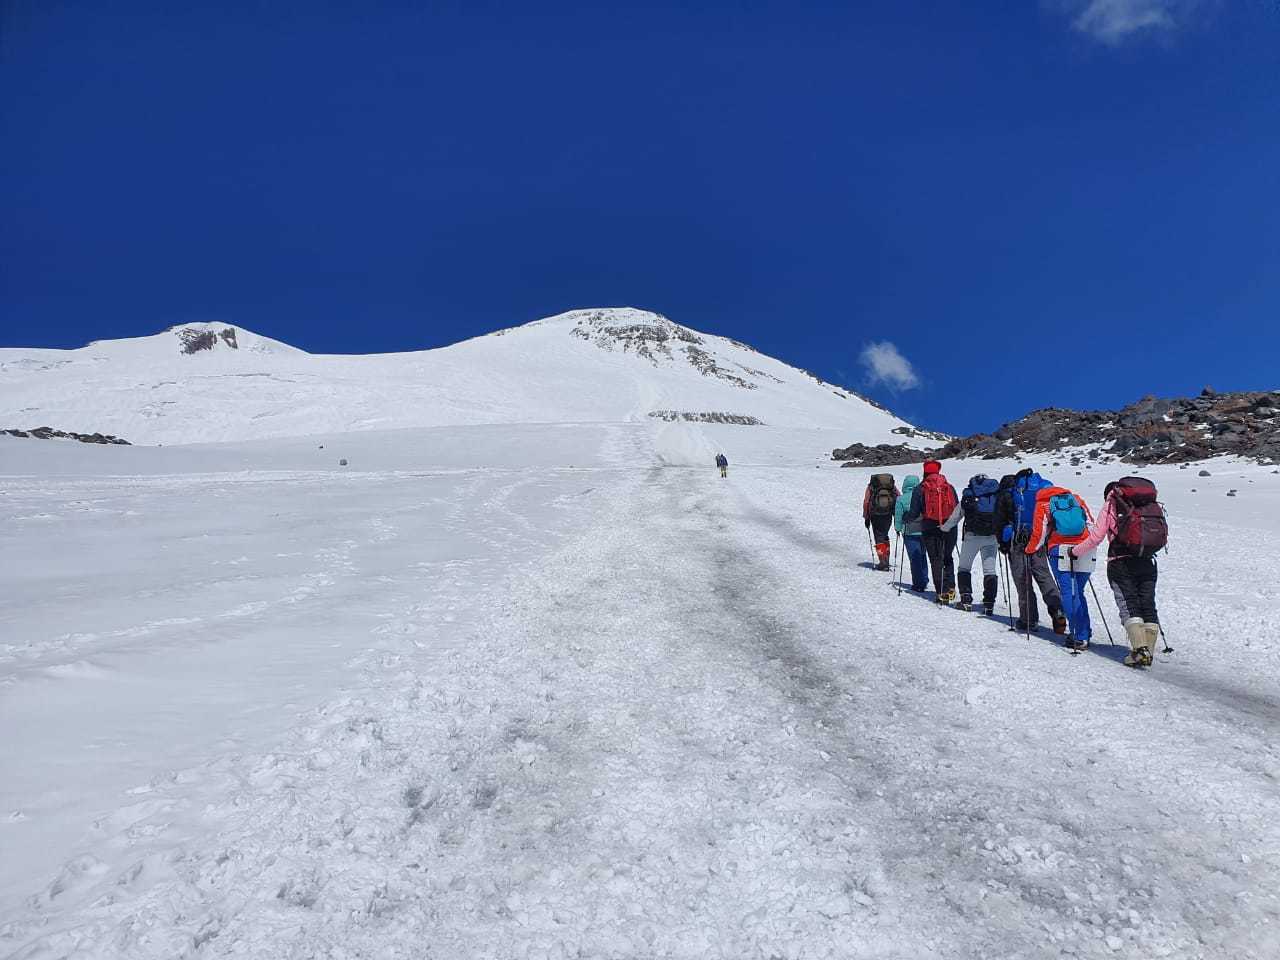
[(587, 365), (530, 691)]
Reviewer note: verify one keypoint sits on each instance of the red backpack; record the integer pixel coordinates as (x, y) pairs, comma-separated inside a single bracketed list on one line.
[(1141, 525), (939, 498)]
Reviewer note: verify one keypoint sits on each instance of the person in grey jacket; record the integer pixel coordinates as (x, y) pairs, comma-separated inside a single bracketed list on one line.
[(977, 507)]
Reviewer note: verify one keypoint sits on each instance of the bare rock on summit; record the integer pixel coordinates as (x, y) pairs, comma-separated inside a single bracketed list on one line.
[(195, 340)]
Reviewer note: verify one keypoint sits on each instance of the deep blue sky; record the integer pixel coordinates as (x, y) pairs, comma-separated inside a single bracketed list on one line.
[(1035, 203)]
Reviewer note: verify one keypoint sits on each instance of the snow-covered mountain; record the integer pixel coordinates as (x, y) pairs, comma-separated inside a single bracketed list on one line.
[(211, 382)]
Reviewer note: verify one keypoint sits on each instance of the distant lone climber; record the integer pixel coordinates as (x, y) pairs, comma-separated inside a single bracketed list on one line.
[(723, 463)]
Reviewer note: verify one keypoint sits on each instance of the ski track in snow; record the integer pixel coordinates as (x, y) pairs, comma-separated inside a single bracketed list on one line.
[(700, 727)]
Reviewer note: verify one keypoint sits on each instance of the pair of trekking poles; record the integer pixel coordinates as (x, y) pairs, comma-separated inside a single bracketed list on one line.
[(1006, 583), (1007, 573), (1008, 576)]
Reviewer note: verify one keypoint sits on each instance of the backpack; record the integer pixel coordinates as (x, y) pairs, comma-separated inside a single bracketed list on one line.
[(884, 496), (1025, 488), (1142, 528), (939, 498), (979, 505), (1068, 515)]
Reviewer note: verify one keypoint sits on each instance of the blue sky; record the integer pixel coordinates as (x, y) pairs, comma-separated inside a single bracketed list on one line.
[(1070, 202)]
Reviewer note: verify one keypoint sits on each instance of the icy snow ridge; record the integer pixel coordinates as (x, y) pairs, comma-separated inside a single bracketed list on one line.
[(216, 382)]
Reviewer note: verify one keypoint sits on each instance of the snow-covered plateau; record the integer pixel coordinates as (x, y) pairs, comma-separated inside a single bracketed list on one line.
[(527, 680)]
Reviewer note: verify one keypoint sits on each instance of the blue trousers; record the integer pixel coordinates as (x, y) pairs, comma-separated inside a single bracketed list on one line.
[(919, 561), (1074, 602)]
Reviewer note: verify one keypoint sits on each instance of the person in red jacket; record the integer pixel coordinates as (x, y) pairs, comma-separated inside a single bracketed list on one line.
[(932, 503), (877, 513)]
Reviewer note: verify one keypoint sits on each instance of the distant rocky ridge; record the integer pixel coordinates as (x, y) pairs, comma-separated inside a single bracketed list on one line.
[(48, 433), (1153, 430)]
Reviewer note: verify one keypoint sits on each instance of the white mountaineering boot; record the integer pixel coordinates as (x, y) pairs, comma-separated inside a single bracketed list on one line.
[(1137, 631), (1153, 634)]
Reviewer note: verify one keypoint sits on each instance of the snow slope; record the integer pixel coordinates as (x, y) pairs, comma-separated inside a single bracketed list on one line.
[(588, 366), (526, 691)]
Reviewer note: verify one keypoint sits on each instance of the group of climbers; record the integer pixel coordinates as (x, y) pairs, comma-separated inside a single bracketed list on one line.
[(1048, 535)]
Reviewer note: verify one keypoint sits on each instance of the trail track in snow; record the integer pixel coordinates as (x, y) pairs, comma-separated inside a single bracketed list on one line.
[(703, 729)]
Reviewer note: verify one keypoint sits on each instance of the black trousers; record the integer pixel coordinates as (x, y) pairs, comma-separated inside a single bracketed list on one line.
[(880, 526), (941, 549), (1133, 581)]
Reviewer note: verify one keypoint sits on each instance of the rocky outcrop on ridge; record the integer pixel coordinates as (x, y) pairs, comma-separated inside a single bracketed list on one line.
[(48, 433), (1153, 430), (739, 419)]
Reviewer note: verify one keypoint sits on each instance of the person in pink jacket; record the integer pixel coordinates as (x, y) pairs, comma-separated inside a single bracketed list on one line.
[(1133, 524)]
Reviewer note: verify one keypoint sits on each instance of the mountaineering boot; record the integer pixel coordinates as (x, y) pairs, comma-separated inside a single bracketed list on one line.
[(990, 586), (989, 609), (1153, 634), (964, 581), (963, 605), (1138, 655), (882, 552), (1021, 625), (1059, 621)]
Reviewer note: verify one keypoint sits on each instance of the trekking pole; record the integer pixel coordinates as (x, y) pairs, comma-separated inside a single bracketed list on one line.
[(872, 545), (1098, 603), (901, 551), (1026, 583), (1005, 577), (1167, 648)]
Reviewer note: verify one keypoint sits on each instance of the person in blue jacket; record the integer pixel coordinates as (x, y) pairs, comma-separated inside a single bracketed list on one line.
[(1015, 513)]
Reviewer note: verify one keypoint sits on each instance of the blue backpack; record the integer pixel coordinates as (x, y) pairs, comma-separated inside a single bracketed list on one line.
[(1068, 515), (1024, 499), (979, 504)]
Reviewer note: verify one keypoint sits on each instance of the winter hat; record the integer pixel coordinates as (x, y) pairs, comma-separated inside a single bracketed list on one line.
[(931, 467)]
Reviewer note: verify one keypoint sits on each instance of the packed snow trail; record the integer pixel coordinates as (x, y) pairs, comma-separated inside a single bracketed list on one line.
[(703, 728)]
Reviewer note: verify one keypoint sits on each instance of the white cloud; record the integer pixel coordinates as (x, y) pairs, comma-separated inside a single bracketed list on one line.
[(884, 364), (1114, 21)]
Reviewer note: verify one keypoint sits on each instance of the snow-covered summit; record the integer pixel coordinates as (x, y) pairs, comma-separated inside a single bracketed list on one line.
[(212, 381)]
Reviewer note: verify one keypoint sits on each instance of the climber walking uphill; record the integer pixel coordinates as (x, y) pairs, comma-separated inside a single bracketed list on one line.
[(877, 513), (912, 538), (932, 504), (978, 508), (1060, 521), (1015, 513), (1134, 523), (723, 463)]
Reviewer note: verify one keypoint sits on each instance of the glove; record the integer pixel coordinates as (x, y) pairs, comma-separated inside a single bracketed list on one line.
[(1006, 535), (867, 523)]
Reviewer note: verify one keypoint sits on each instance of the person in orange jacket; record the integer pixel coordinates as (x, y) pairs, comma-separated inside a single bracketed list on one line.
[(1061, 520)]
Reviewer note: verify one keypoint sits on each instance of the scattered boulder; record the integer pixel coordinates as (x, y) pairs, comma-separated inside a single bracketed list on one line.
[(881, 455), (1231, 493), (1204, 473), (342, 462)]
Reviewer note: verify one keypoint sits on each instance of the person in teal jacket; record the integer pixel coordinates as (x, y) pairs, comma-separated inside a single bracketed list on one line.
[(911, 534)]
